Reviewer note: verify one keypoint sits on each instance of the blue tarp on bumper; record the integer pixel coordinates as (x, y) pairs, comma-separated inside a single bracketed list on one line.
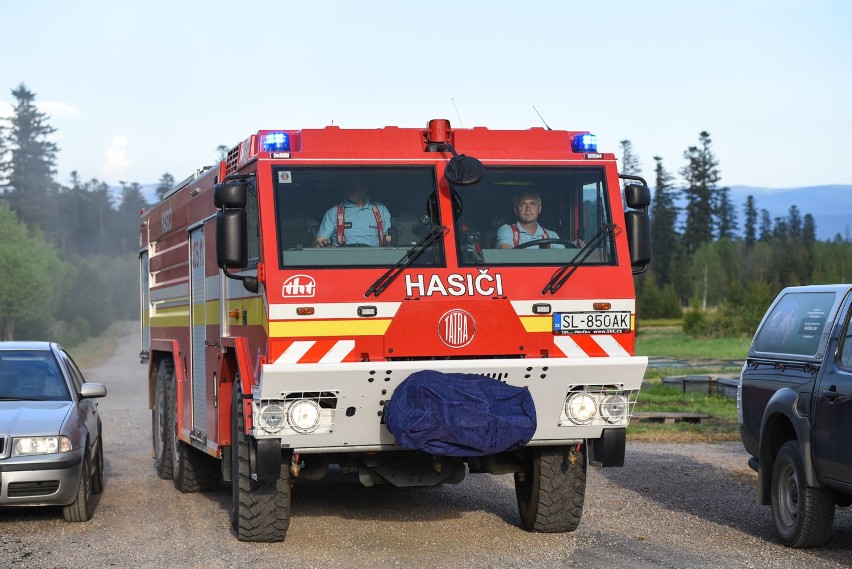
[(459, 414)]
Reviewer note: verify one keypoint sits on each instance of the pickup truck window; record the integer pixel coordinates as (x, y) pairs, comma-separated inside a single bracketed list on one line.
[(846, 344), (795, 324)]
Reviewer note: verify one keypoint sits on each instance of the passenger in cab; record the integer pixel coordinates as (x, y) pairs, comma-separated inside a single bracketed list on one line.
[(356, 221)]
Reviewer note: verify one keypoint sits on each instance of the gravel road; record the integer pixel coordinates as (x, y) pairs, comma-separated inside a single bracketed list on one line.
[(677, 506)]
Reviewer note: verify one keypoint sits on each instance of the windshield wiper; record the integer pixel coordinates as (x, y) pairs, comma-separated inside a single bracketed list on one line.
[(406, 261), (18, 398), (563, 273)]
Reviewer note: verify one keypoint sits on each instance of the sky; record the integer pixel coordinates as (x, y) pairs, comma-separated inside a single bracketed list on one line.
[(137, 89)]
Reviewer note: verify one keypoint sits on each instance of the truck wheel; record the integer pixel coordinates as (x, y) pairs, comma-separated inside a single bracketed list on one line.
[(803, 515), (192, 469), (259, 511), (162, 420), (551, 490), (80, 510)]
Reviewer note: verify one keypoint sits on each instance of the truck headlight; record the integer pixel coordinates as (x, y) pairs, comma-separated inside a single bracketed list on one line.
[(581, 408), (303, 415), (614, 408), (40, 445), (271, 418)]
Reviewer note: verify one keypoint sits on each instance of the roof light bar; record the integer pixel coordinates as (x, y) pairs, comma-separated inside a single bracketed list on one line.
[(276, 142), (584, 143)]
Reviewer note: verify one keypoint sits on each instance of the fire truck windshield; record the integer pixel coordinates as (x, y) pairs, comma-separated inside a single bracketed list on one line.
[(534, 216), (329, 216)]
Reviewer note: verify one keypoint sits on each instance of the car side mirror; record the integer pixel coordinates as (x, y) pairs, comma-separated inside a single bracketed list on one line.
[(92, 390)]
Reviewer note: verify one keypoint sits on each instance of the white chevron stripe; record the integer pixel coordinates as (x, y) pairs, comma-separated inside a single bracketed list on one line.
[(295, 352), (340, 350), (610, 346), (569, 347)]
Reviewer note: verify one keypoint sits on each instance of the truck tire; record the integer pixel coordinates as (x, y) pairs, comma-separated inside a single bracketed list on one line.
[(192, 469), (162, 420), (803, 515), (259, 511), (551, 490), (80, 510)]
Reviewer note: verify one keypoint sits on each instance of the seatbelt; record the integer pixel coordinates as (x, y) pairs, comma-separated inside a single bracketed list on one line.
[(516, 235), (341, 237)]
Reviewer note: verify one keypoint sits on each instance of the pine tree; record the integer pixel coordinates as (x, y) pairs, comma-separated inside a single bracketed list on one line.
[(701, 174), (31, 162), (665, 240), (629, 160), (765, 226), (726, 215), (165, 184), (750, 221)]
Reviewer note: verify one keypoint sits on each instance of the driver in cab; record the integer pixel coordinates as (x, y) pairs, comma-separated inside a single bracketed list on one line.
[(526, 229), (356, 221)]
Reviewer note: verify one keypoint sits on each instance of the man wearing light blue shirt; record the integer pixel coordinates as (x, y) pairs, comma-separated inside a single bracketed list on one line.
[(527, 209), (357, 221)]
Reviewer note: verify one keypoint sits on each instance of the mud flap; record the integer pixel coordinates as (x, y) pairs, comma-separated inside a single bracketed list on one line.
[(265, 459), (608, 450)]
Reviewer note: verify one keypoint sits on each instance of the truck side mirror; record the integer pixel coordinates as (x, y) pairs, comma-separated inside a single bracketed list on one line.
[(638, 225), (231, 244), (637, 196), (230, 195)]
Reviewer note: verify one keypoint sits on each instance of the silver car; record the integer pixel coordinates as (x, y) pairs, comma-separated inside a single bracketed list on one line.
[(51, 452)]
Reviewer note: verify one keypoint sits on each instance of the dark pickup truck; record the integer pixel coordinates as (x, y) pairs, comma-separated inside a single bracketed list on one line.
[(795, 410)]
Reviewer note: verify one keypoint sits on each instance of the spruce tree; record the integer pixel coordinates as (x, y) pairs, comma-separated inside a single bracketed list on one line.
[(31, 162), (629, 160), (665, 240), (701, 174), (750, 221)]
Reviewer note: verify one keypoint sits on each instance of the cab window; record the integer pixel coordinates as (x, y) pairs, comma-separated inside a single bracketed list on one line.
[(795, 324), (358, 216), (534, 216)]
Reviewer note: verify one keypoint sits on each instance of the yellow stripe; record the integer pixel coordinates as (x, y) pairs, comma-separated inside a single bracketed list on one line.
[(537, 323), (371, 327)]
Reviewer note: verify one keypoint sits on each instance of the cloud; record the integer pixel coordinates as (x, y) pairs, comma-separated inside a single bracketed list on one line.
[(117, 162), (58, 109)]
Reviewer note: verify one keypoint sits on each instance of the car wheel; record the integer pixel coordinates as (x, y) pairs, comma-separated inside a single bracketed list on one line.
[(162, 420), (551, 490), (803, 515), (80, 510), (259, 511), (98, 474)]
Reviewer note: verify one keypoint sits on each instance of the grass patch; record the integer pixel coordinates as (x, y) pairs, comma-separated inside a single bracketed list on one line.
[(721, 426), (93, 351), (672, 342)]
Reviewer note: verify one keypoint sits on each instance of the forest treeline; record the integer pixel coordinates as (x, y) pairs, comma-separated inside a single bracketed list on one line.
[(68, 252)]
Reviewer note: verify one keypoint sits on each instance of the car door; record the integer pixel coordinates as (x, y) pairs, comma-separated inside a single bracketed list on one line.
[(832, 416), (88, 407)]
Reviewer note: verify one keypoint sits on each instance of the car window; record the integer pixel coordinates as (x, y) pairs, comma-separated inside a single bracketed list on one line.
[(846, 344), (31, 375), (795, 324), (76, 375)]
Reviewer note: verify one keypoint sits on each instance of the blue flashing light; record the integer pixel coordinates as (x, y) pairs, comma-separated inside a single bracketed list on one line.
[(276, 142), (584, 143)]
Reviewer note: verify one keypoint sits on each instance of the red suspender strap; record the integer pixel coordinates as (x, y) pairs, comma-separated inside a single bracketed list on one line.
[(341, 238), (516, 235), (379, 225)]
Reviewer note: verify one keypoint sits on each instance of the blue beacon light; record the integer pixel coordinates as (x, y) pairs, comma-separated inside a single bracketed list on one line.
[(276, 142), (584, 143)]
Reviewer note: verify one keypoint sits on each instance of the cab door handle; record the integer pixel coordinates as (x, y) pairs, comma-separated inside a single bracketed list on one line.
[(831, 393)]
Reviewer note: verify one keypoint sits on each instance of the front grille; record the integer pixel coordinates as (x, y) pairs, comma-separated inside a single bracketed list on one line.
[(29, 489)]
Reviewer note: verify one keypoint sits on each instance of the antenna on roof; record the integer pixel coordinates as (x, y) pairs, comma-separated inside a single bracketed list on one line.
[(541, 117), (457, 111)]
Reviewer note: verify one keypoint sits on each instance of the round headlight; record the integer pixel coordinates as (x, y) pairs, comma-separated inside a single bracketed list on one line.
[(581, 408), (304, 415), (271, 418), (614, 408)]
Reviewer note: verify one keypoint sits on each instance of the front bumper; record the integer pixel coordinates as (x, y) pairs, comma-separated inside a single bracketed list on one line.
[(353, 395), (41, 480)]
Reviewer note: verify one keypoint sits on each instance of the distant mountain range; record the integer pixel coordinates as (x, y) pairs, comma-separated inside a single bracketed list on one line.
[(831, 206)]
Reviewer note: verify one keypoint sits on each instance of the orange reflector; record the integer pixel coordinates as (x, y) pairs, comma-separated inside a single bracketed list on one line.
[(233, 313), (305, 310), (602, 305)]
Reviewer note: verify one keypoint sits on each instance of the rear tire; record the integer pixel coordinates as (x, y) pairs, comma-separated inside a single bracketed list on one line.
[(194, 470), (163, 420), (80, 510), (803, 515), (551, 491), (259, 511)]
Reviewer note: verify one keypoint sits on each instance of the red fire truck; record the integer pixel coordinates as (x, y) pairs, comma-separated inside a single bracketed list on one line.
[(293, 292)]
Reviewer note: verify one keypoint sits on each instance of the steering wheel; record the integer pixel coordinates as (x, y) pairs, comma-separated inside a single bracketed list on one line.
[(355, 245), (569, 244)]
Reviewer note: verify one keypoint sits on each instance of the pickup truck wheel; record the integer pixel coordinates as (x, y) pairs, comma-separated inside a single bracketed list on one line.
[(259, 511), (803, 515), (162, 420), (551, 490)]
